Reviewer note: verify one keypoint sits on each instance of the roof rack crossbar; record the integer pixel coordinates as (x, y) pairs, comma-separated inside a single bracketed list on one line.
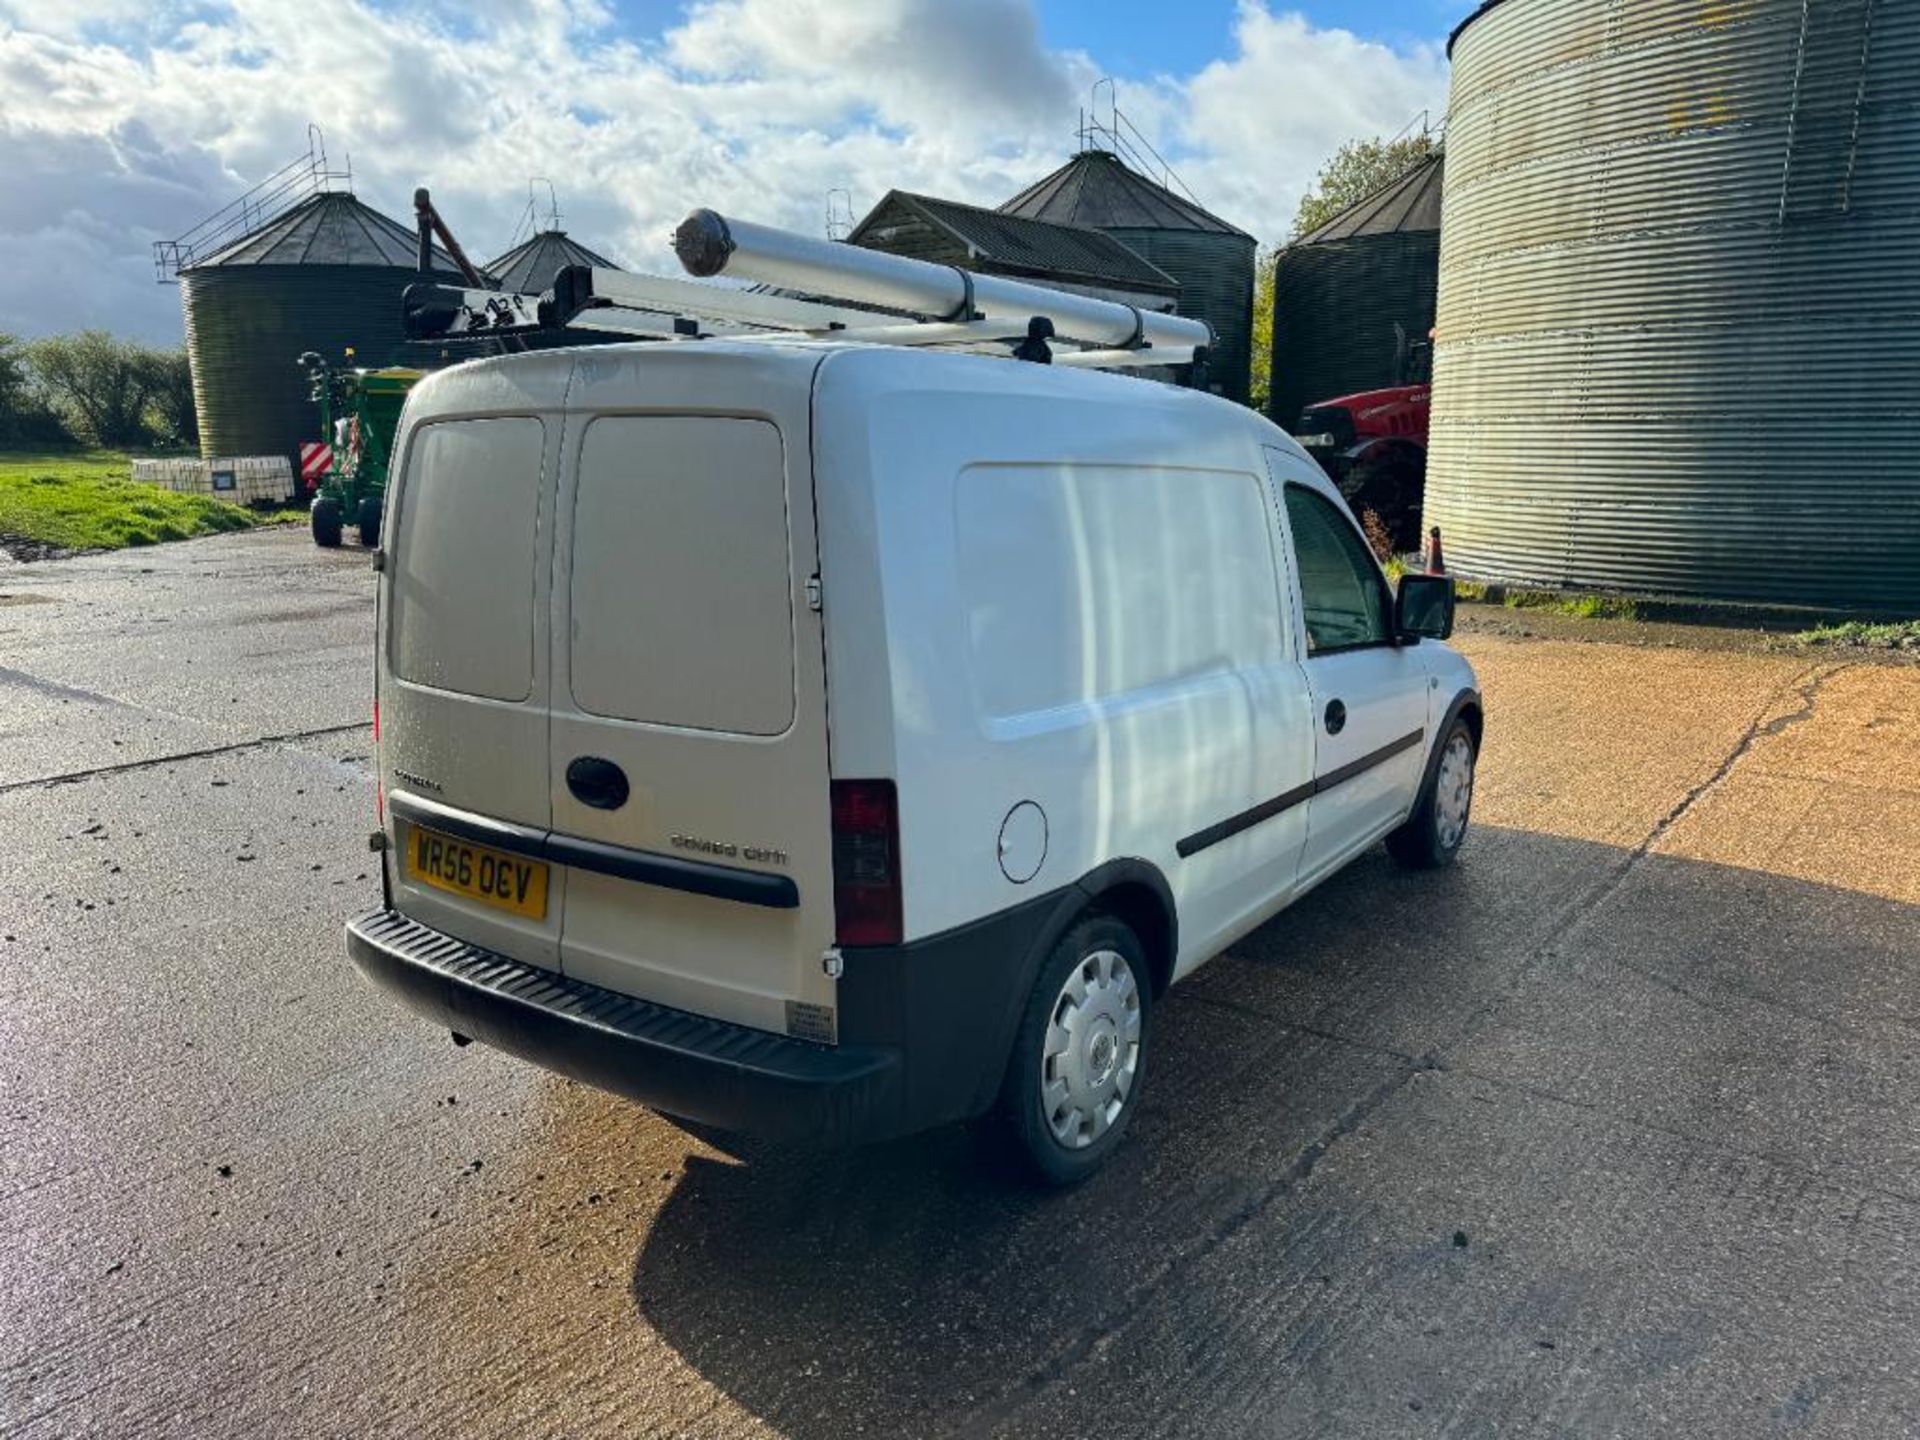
[(825, 290)]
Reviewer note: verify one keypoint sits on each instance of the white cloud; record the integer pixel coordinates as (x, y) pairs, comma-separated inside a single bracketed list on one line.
[(758, 106), (1261, 123)]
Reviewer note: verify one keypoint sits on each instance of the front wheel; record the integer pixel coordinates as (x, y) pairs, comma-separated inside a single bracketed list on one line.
[(325, 516), (1434, 832), (367, 516), (1073, 1081)]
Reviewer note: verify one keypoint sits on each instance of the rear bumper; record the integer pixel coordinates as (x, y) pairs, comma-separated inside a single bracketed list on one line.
[(700, 1069)]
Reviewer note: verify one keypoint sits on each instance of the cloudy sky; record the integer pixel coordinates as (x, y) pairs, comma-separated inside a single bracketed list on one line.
[(126, 121)]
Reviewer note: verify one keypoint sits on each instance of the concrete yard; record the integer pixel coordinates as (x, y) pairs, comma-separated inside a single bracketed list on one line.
[(1612, 1130)]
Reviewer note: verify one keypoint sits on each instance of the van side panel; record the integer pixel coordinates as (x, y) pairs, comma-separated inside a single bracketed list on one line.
[(1075, 582)]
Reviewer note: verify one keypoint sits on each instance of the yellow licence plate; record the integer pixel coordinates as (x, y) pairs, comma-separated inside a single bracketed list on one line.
[(489, 876)]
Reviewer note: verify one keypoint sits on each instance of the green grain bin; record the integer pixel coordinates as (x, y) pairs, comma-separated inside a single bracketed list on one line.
[(1211, 260), (324, 276)]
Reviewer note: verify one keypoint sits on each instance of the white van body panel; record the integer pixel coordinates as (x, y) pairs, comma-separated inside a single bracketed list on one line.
[(1160, 693)]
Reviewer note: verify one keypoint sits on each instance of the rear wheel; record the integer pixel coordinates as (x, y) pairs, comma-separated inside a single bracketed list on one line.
[(1434, 832), (1073, 1081), (368, 518), (325, 516)]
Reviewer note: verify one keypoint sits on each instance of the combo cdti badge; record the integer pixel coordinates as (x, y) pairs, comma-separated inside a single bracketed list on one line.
[(831, 741)]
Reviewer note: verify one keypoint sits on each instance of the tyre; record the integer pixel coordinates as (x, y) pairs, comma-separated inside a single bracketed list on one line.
[(368, 519), (325, 516), (1391, 486), (1079, 1056), (1433, 833)]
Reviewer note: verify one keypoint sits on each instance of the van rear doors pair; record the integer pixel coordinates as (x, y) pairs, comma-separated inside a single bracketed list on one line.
[(674, 731)]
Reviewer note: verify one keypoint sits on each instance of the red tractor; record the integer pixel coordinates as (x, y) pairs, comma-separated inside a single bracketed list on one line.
[(1373, 445)]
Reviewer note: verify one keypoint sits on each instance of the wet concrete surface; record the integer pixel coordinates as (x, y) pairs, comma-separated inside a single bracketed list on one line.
[(1609, 1131)]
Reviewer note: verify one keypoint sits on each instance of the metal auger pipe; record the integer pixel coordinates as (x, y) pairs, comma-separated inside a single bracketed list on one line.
[(710, 244)]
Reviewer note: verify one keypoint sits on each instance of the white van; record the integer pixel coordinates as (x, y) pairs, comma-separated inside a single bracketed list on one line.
[(831, 741)]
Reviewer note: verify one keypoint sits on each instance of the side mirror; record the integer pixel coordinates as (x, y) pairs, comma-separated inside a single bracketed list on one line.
[(1423, 606)]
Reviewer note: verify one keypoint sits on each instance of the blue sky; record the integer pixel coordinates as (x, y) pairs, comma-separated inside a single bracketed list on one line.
[(1145, 37), (1178, 36), (123, 122)]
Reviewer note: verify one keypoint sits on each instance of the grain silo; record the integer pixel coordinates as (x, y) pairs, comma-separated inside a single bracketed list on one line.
[(1068, 257), (1353, 299), (1210, 260), (1678, 344), (325, 275), (531, 265)]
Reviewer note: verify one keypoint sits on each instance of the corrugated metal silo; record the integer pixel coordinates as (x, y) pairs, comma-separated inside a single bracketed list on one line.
[(1678, 344), (1340, 291), (1211, 260), (325, 275)]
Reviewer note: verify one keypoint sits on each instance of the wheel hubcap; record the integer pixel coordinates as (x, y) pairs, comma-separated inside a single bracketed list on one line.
[(1092, 1050), (1453, 791)]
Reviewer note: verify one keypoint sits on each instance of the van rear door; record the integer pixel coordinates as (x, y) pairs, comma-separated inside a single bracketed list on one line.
[(689, 748), (463, 684)]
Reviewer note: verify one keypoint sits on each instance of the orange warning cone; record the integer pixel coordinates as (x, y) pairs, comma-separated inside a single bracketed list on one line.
[(1436, 557)]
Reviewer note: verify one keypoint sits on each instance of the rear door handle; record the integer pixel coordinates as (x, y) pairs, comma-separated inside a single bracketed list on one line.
[(596, 782), (1336, 717)]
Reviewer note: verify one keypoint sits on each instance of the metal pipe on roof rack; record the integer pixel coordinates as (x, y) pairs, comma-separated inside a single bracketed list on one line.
[(1124, 359), (710, 244)]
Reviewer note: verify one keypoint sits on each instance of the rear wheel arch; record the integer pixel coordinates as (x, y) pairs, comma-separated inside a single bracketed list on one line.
[(1137, 894)]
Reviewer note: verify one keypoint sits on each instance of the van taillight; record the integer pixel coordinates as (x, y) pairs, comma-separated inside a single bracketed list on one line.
[(866, 862)]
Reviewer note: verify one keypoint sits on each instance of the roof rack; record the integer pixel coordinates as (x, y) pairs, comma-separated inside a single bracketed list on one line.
[(810, 289)]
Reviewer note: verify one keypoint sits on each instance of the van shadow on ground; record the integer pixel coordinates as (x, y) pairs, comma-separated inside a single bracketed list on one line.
[(1512, 1146)]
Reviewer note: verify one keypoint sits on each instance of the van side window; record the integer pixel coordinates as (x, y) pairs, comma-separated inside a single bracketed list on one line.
[(1342, 597), (1084, 582)]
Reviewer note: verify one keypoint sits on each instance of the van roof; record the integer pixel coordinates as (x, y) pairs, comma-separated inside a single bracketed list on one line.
[(907, 364)]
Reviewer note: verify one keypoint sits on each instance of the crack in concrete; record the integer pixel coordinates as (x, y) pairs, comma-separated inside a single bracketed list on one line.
[(54, 690), (1808, 683), (1583, 906), (1439, 1064), (1297, 1170), (1700, 1142), (74, 777)]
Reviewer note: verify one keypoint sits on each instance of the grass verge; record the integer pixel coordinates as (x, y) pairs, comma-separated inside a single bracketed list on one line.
[(1578, 607), (87, 500), (1864, 635)]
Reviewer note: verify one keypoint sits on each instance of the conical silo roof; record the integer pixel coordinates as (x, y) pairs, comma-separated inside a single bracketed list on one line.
[(1096, 189), (1407, 204), (531, 265), (331, 228)]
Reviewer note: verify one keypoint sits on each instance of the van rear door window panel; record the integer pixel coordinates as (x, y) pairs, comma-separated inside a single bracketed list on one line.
[(682, 591), (463, 557)]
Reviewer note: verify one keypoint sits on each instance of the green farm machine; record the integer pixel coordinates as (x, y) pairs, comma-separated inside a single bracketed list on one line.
[(359, 412)]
